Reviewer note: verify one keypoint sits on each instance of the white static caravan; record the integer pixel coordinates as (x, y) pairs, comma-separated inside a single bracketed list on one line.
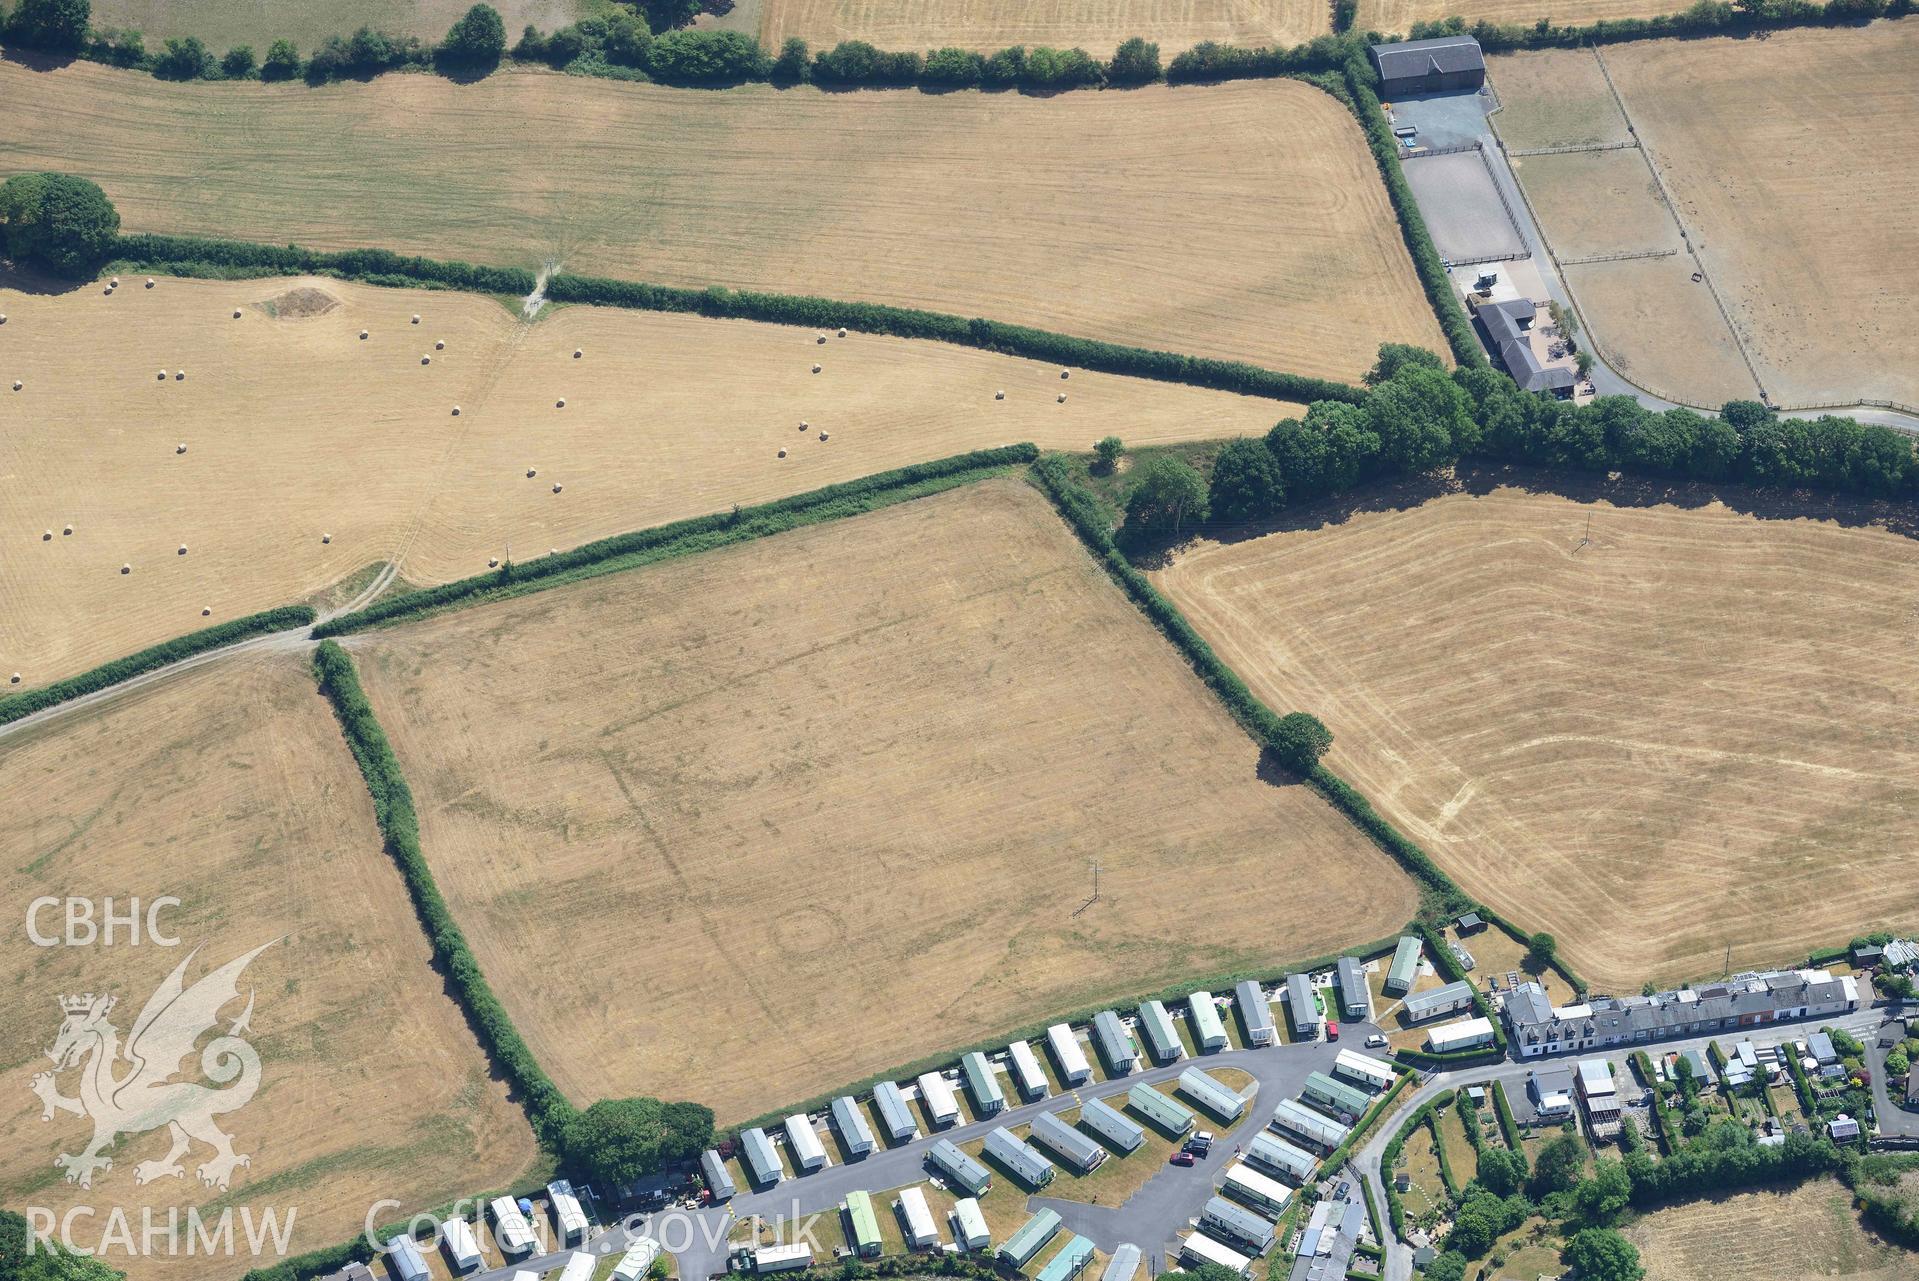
[(1027, 1077), (638, 1258), (916, 1220), (1073, 1067), (803, 1141), (1374, 1074), (1157, 1030), (1200, 1250), (718, 1181), (1123, 1266), (579, 1267), (894, 1114), (936, 1096), (763, 1166), (1116, 1128), (1211, 1093), (855, 1133), (783, 1258), (1269, 1196), (1254, 1010), (569, 1217), (1209, 1033), (461, 1246), (982, 1082), (404, 1256), (1303, 1002), (1463, 1035), (969, 1225), (510, 1227), (1115, 1043)]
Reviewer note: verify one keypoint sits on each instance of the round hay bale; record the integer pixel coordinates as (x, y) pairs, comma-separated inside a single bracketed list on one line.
[(426, 360), (578, 352), (17, 384), (1062, 398), (149, 282), (1065, 373), (416, 320), (822, 435), (326, 538), (66, 529), (782, 453), (14, 679), (179, 375), (440, 346), (820, 339), (999, 395), (842, 331), (206, 611), (363, 335), (115, 282), (108, 291), (236, 313), (456, 411), (3, 317), (493, 562), (180, 448), (560, 403), (162, 376), (803, 426), (531, 472), (182, 551), (816, 369), (557, 488), (46, 536), (126, 569)]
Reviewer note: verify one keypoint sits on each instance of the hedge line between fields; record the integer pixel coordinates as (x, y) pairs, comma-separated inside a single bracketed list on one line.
[(1508, 1128), (15, 706), (149, 252), (684, 537), (547, 1108)]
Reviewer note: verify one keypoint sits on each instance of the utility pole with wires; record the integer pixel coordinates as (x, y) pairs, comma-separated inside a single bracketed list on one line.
[(1095, 898), (1586, 541)]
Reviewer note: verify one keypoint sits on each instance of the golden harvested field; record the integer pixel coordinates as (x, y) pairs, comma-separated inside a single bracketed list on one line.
[(1098, 26), (1244, 220), (1699, 730), (296, 429), (225, 23), (1810, 1231), (1787, 161), (229, 787), (762, 821), (1400, 15)]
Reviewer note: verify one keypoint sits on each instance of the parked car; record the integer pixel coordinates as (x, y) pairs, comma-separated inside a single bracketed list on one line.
[(1201, 1142), (1377, 1041), (1183, 1157), (1332, 1030)]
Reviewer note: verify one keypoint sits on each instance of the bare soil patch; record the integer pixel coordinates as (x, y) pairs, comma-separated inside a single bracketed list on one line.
[(812, 807), (300, 304)]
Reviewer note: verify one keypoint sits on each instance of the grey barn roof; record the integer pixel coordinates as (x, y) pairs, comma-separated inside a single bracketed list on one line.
[(1445, 55)]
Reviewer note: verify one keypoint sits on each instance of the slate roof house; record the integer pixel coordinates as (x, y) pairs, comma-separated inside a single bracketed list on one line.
[(1745, 1000), (1428, 66), (1506, 325)]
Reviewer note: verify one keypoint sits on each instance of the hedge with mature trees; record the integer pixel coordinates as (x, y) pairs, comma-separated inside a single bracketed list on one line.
[(57, 222)]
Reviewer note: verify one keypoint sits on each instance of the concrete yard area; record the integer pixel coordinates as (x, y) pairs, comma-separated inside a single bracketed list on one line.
[(1468, 220)]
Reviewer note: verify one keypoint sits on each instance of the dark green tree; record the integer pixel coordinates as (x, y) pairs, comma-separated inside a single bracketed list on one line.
[(1541, 948), (57, 222), (1450, 1266), (1422, 418), (669, 15), (1501, 1172), (1136, 62), (952, 68), (238, 62), (1599, 1198), (1301, 454), (477, 39), (794, 64), (59, 26), (1301, 740), (617, 1141), (1245, 484), (1558, 1165), (1601, 1254), (1352, 443), (282, 61), (183, 59), (1395, 356), (1107, 451), (1168, 498)]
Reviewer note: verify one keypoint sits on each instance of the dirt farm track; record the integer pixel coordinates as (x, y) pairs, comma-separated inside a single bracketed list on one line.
[(298, 431), (1120, 216), (230, 788), (814, 806), (1698, 729)]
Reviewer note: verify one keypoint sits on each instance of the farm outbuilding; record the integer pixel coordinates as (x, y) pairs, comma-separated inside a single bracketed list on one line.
[(1209, 1034), (1024, 1067), (862, 1225), (1405, 965), (1462, 1035), (1073, 1147), (1374, 1074), (982, 1082), (762, 1162), (569, 1218), (1156, 1026), (1169, 1115), (969, 1225), (1031, 1238), (1067, 1055), (1303, 1002), (894, 1114), (1450, 999), (1256, 1189), (1110, 1124), (1335, 1096), (1236, 1225), (959, 1169), (460, 1245), (936, 1097), (510, 1227), (1076, 1254), (1115, 1044), (1355, 998), (855, 1134), (1207, 1091), (803, 1141), (718, 1181), (1277, 1156), (403, 1256), (1198, 1250), (1255, 1012), (1124, 1265), (1291, 1117), (916, 1220), (1020, 1157), (1444, 65)]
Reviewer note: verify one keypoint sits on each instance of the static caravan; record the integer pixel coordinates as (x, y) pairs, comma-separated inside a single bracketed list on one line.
[(803, 1141), (1308, 1021), (1268, 1196), (719, 1181), (1449, 999), (1255, 1012), (1355, 998), (959, 1169), (1292, 1117), (1405, 966), (855, 1134), (1115, 1044), (1209, 1034), (916, 1220), (894, 1114), (1123, 1266), (936, 1097), (1364, 1069), (1113, 1126), (783, 1258), (1463, 1035), (1236, 1225), (1168, 1115), (634, 1263), (579, 1266), (1162, 1039), (403, 1255), (460, 1245), (969, 1225), (982, 1082), (1206, 1090), (569, 1219), (1031, 1238), (1024, 1066), (1067, 1056), (1021, 1158), (1278, 1156), (862, 1225), (510, 1227), (1073, 1147), (1067, 1263), (1199, 1250), (1334, 1096), (761, 1161)]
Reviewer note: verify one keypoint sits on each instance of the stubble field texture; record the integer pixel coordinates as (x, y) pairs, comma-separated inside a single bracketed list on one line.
[(1696, 730), (229, 787), (1244, 221), (1786, 160), (825, 803), (1808, 1231), (221, 24), (297, 431)]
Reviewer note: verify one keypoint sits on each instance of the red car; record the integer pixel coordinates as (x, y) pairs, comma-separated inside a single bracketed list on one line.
[(1183, 1158), (1332, 1030)]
